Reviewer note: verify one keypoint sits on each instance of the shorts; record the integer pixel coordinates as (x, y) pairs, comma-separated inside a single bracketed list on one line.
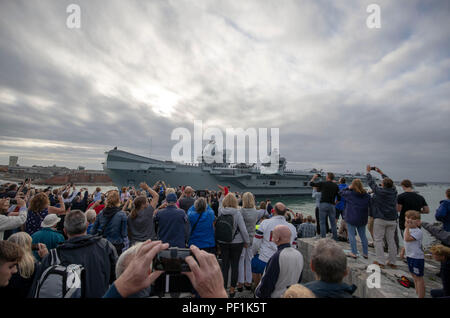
[(416, 266), (258, 265)]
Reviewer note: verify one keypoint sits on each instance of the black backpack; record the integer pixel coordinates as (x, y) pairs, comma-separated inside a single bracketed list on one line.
[(224, 228), (61, 281)]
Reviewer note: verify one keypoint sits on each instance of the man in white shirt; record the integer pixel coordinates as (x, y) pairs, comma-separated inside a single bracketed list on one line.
[(284, 267), (12, 222), (263, 240)]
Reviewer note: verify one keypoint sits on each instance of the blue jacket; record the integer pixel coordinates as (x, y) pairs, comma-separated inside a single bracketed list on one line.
[(203, 235), (331, 290), (51, 238), (172, 226), (443, 214), (116, 230), (341, 203), (356, 208), (384, 201)]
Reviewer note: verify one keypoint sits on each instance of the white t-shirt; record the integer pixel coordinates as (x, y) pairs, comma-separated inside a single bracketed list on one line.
[(263, 235), (414, 249)]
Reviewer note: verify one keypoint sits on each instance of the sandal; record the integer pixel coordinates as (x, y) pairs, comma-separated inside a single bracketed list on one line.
[(366, 256), (352, 255)]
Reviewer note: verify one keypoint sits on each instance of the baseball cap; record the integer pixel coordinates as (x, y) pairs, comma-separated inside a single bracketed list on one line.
[(171, 198)]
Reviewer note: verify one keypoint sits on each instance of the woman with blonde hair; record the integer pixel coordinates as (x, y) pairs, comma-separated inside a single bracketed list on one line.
[(21, 282), (231, 251), (39, 209), (356, 215), (251, 217)]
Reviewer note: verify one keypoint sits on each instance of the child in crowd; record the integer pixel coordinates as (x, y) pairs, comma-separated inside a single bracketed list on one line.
[(298, 291), (441, 254), (413, 249)]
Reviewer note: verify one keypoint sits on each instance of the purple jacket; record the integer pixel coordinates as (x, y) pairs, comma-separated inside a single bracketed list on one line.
[(356, 210)]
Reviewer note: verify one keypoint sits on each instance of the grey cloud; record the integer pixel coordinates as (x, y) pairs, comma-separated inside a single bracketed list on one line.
[(342, 95)]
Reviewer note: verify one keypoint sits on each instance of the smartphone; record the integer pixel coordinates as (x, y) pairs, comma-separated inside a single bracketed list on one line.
[(35, 247), (172, 260), (13, 201), (373, 168)]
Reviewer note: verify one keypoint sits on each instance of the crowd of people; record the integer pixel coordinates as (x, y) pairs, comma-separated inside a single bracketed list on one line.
[(104, 244)]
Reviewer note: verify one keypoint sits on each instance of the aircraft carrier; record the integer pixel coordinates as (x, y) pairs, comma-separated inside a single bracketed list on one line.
[(127, 169)]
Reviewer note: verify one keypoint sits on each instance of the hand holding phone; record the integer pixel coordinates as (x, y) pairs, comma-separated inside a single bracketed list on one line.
[(172, 260)]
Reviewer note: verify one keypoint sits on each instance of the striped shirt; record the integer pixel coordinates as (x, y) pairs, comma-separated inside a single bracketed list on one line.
[(263, 237), (306, 230)]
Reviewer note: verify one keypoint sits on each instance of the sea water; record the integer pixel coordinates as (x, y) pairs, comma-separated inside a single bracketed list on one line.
[(433, 194)]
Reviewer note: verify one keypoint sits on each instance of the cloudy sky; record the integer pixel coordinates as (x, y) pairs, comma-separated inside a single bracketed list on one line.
[(343, 95)]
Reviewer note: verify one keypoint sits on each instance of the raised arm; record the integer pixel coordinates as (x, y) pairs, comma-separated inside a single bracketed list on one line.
[(437, 232), (312, 183), (60, 210), (12, 222), (370, 181), (153, 193)]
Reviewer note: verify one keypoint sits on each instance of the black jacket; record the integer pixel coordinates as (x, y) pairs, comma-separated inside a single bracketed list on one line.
[(96, 254), (329, 290), (384, 201), (329, 190), (80, 204)]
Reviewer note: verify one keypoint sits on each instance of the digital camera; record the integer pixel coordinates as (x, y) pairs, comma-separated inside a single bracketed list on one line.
[(172, 260), (202, 193)]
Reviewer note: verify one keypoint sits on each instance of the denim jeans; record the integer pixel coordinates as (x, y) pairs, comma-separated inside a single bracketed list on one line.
[(327, 210), (318, 222), (362, 234)]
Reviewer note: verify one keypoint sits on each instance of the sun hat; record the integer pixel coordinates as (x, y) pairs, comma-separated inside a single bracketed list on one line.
[(50, 220)]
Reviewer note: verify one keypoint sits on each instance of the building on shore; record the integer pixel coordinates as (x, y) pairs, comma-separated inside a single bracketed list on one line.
[(53, 175)]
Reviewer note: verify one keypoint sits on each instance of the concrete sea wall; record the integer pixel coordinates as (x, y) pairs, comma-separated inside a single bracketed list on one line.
[(389, 287)]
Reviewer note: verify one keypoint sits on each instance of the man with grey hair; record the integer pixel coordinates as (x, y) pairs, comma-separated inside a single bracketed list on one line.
[(329, 264), (263, 244), (122, 264), (96, 254)]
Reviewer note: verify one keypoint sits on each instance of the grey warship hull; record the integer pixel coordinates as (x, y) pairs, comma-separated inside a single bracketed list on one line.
[(126, 169)]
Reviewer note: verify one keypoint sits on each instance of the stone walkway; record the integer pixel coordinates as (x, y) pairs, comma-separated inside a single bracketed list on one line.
[(358, 273)]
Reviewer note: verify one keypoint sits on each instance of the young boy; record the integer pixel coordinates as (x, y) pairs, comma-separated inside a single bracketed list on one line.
[(413, 249), (441, 254)]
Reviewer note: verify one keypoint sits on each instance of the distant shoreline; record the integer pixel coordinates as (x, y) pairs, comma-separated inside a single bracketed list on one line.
[(17, 180)]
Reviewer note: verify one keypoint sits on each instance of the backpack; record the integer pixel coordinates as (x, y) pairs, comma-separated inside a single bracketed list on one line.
[(60, 281), (224, 228)]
